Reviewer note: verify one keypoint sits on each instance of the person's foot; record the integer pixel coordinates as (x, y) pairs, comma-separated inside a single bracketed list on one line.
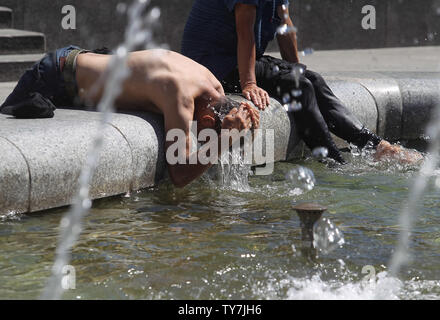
[(385, 150)]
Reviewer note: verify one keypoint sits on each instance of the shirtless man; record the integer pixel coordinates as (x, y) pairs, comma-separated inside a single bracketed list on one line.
[(160, 81)]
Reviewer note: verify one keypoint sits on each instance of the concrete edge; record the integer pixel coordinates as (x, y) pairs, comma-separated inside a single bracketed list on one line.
[(404, 100), (52, 151)]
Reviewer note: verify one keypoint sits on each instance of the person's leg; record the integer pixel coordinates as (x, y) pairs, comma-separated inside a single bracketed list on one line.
[(339, 119), (275, 76), (310, 123), (42, 78)]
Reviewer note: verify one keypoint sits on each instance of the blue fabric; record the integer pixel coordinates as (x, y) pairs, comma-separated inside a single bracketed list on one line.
[(44, 77), (210, 35)]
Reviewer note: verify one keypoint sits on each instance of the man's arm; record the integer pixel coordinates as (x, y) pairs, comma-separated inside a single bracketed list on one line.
[(287, 41), (182, 173), (245, 16)]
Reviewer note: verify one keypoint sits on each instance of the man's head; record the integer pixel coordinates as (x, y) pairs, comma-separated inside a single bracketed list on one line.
[(211, 116)]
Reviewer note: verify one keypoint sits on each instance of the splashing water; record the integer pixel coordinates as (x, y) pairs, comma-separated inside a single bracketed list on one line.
[(285, 29), (297, 72), (234, 169), (410, 211), (9, 216), (320, 153), (301, 179), (307, 52), (296, 93), (137, 33), (289, 104), (326, 236), (293, 106)]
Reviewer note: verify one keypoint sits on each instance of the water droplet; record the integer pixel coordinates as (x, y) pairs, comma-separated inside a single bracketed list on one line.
[(155, 13), (296, 93), (297, 72), (121, 52), (285, 29), (87, 204), (121, 8), (302, 178), (320, 153), (64, 222), (293, 248), (293, 106), (326, 236), (307, 52)]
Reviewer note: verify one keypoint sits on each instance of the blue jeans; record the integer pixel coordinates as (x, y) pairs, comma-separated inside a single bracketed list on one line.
[(44, 77)]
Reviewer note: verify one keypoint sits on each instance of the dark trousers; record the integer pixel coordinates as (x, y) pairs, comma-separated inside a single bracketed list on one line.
[(321, 112)]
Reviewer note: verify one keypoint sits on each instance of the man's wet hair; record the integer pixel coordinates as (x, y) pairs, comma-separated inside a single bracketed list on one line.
[(221, 109)]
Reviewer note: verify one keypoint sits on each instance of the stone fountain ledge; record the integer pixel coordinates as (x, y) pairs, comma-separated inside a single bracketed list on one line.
[(41, 159)]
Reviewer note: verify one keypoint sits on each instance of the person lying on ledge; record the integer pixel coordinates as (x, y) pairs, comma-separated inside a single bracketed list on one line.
[(161, 81), (229, 37)]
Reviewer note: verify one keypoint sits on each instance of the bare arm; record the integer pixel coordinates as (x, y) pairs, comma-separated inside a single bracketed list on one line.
[(245, 16), (182, 173), (287, 42)]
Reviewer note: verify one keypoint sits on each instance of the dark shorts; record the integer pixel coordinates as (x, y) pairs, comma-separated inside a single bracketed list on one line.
[(46, 78)]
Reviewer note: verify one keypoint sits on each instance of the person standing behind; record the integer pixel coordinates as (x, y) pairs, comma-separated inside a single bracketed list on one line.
[(230, 37)]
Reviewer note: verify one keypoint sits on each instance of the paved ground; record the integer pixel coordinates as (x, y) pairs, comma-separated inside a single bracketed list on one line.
[(422, 59)]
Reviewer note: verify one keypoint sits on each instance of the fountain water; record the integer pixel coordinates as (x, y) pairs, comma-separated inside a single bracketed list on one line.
[(234, 169), (233, 175), (409, 212), (138, 32)]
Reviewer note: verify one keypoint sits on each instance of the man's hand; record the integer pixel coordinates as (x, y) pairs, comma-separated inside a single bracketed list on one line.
[(257, 95), (191, 79), (243, 118), (387, 151)]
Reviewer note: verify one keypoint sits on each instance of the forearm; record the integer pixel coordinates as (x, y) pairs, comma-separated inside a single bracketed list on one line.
[(288, 43), (246, 55), (245, 17)]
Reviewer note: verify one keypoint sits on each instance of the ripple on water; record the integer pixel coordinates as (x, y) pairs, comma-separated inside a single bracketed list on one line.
[(230, 244)]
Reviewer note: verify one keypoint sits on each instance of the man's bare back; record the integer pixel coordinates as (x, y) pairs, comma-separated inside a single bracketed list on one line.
[(157, 77), (168, 83)]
